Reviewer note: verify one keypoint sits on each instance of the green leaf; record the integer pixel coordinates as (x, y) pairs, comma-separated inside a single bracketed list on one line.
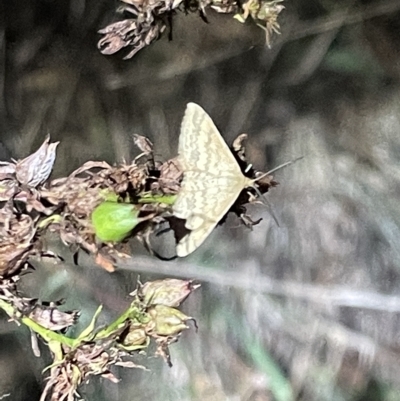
[(88, 333)]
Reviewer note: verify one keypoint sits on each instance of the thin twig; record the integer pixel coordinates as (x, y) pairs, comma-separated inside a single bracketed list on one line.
[(332, 296)]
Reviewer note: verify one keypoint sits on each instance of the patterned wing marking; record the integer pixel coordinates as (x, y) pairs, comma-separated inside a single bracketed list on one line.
[(193, 240), (201, 146), (203, 197), (212, 179)]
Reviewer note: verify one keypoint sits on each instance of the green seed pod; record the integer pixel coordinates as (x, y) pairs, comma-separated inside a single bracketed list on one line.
[(168, 292), (135, 339), (167, 321), (113, 221)]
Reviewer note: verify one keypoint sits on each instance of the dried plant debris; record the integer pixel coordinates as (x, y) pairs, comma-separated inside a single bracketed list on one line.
[(98, 207), (36, 168), (95, 351), (31, 205), (265, 14), (148, 20), (152, 317), (47, 316), (64, 206)]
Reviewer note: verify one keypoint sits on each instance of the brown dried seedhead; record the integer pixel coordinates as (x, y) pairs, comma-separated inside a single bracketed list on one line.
[(31, 206), (148, 20)]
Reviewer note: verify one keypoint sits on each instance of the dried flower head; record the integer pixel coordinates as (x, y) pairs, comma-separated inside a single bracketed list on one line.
[(265, 11), (16, 240), (143, 143), (36, 168), (52, 318), (167, 292)]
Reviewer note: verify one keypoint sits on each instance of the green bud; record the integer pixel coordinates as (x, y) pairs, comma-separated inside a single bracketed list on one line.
[(113, 221), (167, 321)]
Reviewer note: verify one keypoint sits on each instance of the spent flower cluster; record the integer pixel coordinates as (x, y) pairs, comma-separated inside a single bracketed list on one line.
[(152, 317), (31, 206), (148, 19), (95, 351)]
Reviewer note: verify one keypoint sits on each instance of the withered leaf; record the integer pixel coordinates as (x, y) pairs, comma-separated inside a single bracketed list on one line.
[(143, 143)]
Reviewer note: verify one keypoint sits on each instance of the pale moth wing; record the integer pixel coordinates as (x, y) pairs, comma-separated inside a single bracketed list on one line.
[(212, 179)]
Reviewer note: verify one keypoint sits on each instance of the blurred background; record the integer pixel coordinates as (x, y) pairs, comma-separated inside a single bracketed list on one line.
[(309, 310)]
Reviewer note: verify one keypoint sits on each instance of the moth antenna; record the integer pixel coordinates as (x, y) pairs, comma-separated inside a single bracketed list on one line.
[(278, 168), (264, 199), (267, 203)]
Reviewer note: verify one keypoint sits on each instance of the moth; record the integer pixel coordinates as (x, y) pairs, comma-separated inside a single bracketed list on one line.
[(212, 178)]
